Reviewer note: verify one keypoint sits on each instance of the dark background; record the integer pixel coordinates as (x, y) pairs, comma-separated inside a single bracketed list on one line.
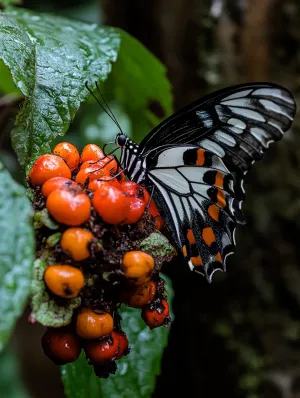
[(240, 336)]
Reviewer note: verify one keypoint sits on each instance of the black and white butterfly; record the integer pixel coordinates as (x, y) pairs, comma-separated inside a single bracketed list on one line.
[(196, 161)]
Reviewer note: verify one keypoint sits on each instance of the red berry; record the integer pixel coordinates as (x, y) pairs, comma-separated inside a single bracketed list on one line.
[(123, 344), (136, 190), (137, 209), (156, 314), (68, 207), (61, 345), (69, 154), (111, 204), (58, 183), (154, 212), (102, 351), (95, 184), (46, 167)]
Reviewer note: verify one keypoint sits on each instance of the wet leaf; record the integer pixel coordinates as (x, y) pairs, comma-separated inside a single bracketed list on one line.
[(50, 58), (16, 252)]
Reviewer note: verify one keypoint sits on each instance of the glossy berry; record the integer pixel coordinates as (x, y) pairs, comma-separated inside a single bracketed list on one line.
[(136, 190), (69, 207), (138, 267), (58, 183), (139, 296), (111, 203), (69, 153), (46, 167), (154, 212), (91, 325), (91, 152), (103, 351), (76, 242), (123, 344), (95, 184), (157, 314), (61, 345), (136, 211), (92, 171), (63, 280)]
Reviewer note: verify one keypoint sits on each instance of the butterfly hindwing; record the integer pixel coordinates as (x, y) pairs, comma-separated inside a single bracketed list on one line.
[(196, 199)]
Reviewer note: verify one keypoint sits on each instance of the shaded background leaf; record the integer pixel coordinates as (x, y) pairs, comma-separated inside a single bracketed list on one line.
[(16, 253), (11, 384)]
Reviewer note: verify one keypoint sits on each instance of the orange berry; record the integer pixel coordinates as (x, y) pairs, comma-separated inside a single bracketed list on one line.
[(92, 171), (137, 266), (139, 296), (46, 167), (95, 184), (90, 325), (58, 183), (111, 204), (156, 314), (61, 345), (76, 242), (103, 351), (91, 152), (69, 154), (123, 344), (63, 280), (154, 212), (67, 207)]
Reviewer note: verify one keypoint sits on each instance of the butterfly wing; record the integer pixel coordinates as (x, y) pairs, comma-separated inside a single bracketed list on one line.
[(237, 123), (194, 191), (196, 160)]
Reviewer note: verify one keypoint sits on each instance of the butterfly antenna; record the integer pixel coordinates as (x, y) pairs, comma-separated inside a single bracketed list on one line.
[(111, 112), (105, 110)]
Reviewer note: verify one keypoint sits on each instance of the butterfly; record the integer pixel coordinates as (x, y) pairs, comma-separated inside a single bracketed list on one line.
[(196, 160)]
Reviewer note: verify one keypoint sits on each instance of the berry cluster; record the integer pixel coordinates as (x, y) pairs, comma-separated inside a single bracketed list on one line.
[(96, 257)]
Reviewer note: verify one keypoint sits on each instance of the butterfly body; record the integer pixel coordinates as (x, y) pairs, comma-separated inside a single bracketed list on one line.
[(196, 161)]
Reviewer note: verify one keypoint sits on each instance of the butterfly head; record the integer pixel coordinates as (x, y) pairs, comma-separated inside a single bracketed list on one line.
[(121, 140)]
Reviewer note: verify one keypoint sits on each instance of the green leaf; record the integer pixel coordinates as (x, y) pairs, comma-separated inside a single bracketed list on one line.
[(136, 372), (50, 58), (16, 252), (139, 82)]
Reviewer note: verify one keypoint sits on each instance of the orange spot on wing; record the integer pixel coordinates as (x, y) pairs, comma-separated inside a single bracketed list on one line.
[(219, 180), (214, 212), (191, 237), (196, 261), (208, 236), (200, 157), (221, 198), (184, 252), (219, 257)]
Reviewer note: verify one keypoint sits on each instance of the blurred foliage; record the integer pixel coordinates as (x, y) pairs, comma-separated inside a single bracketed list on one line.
[(11, 384)]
